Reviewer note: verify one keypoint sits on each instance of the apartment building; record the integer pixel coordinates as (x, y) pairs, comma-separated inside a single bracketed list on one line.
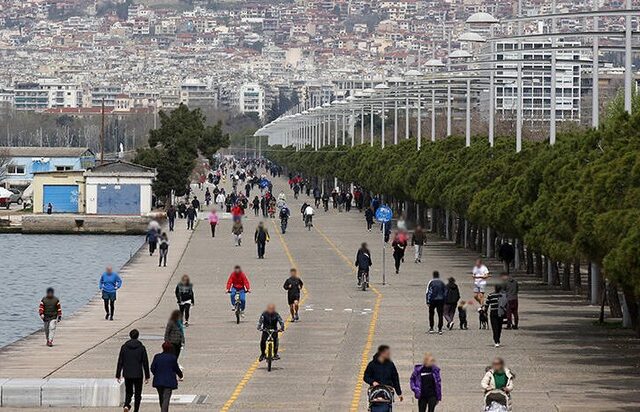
[(252, 99)]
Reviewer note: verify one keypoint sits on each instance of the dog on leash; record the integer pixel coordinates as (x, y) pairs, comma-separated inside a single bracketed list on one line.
[(483, 318)]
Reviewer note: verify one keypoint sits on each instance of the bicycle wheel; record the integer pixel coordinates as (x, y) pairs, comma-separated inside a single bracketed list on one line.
[(237, 314), (269, 355)]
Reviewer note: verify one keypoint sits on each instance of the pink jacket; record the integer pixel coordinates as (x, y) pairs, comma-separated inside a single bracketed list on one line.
[(213, 218)]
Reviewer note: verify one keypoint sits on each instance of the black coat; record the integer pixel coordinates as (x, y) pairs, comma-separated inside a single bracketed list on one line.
[(453, 294), (363, 259), (133, 361), (383, 373)]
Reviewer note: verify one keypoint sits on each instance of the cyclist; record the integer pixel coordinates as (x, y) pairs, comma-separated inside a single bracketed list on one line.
[(325, 201), (293, 285), (238, 283), (363, 262), (308, 216), (270, 319), (303, 208), (284, 217)]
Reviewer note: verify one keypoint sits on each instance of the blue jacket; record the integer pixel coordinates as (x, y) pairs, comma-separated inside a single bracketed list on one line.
[(110, 282), (165, 368), (436, 291)]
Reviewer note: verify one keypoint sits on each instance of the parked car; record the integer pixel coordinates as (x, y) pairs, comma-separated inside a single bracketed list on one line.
[(5, 197), (16, 197)]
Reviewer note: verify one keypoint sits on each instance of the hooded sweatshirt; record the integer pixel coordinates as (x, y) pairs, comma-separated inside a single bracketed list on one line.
[(383, 373), (133, 361), (416, 381)]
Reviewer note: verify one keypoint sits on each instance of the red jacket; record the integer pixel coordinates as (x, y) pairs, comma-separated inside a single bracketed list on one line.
[(237, 211), (238, 281)]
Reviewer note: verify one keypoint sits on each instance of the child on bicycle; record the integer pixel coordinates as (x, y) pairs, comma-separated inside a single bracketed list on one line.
[(270, 320)]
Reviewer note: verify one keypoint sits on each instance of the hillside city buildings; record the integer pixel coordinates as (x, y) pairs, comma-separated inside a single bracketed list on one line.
[(73, 56)]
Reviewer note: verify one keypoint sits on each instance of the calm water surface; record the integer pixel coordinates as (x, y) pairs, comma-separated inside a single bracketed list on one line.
[(71, 264)]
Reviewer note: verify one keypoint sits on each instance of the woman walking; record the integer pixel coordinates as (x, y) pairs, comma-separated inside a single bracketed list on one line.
[(213, 222), (164, 249), (237, 230), (184, 295), (174, 332), (426, 384), (451, 302), (399, 245), (165, 368)]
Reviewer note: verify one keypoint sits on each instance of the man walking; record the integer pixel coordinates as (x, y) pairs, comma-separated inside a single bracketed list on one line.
[(382, 371), (496, 305), (51, 313), (510, 286), (436, 291), (133, 364), (191, 217), (110, 282), (417, 241), (261, 237), (171, 217)]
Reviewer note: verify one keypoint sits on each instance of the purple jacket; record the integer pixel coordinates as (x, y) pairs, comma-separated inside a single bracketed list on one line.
[(416, 381)]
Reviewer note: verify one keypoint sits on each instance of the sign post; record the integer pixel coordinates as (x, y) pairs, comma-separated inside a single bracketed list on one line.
[(384, 214)]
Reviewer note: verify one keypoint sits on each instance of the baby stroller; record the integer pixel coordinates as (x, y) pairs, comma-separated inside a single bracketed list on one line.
[(380, 398), (497, 401)]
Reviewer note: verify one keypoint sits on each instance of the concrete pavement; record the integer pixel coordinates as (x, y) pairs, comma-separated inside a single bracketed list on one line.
[(561, 360)]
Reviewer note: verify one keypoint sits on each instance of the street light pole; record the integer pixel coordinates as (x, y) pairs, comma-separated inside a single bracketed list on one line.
[(468, 118), (595, 105), (628, 56)]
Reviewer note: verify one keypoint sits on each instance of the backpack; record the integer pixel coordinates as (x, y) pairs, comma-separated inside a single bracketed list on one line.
[(503, 303)]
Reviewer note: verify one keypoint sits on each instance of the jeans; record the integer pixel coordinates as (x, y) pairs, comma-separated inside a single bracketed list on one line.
[(369, 224), (261, 247), (243, 297), (213, 229), (50, 329), (418, 251), (450, 312), (109, 306), (172, 222), (164, 396), (512, 313), (185, 310), (496, 326), (163, 257), (131, 386), (433, 307), (428, 404), (189, 224)]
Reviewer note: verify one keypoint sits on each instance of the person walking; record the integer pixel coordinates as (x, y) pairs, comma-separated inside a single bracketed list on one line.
[(220, 200), (109, 284), (165, 368), (171, 217), (368, 216), (363, 263), (133, 365), (256, 206), (417, 241), (261, 237), (164, 250), (174, 332), (382, 371), (196, 204), (399, 245), (511, 287), (237, 230), (506, 253), (293, 285), (185, 298), (50, 312), (191, 217), (496, 306), (452, 296), (213, 222), (426, 384), (152, 240), (480, 274), (436, 292)]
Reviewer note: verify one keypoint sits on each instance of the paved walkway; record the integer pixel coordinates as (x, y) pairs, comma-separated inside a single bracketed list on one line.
[(561, 360)]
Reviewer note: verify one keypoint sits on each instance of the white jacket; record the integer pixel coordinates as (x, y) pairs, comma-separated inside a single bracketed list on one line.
[(488, 383)]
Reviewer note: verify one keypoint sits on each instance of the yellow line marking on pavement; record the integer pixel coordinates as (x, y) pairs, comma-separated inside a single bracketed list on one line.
[(254, 366), (366, 352)]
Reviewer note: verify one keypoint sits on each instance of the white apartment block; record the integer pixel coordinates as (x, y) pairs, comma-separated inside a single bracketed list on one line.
[(106, 93), (252, 99), (47, 94), (536, 81)]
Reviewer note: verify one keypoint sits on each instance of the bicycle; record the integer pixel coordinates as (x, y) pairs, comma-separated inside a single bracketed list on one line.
[(237, 306), (308, 221), (283, 225), (270, 348)]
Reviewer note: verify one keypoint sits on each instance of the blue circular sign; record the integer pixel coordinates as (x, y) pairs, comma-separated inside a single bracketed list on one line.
[(384, 214)]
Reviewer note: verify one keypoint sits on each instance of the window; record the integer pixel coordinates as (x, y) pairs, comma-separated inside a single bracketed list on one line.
[(63, 168), (15, 169)]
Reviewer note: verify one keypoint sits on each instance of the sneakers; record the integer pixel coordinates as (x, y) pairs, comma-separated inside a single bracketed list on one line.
[(262, 357), (497, 345), (111, 317), (431, 330), (242, 313), (49, 343), (106, 317), (186, 324), (296, 318), (127, 409), (440, 332), (450, 325), (276, 357)]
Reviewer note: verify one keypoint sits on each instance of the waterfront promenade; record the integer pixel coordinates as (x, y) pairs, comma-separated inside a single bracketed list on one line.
[(561, 360)]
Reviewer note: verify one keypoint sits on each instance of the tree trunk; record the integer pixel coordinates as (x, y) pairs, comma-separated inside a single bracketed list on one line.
[(460, 231), (566, 276), (577, 276), (538, 265), (615, 308), (530, 265)]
